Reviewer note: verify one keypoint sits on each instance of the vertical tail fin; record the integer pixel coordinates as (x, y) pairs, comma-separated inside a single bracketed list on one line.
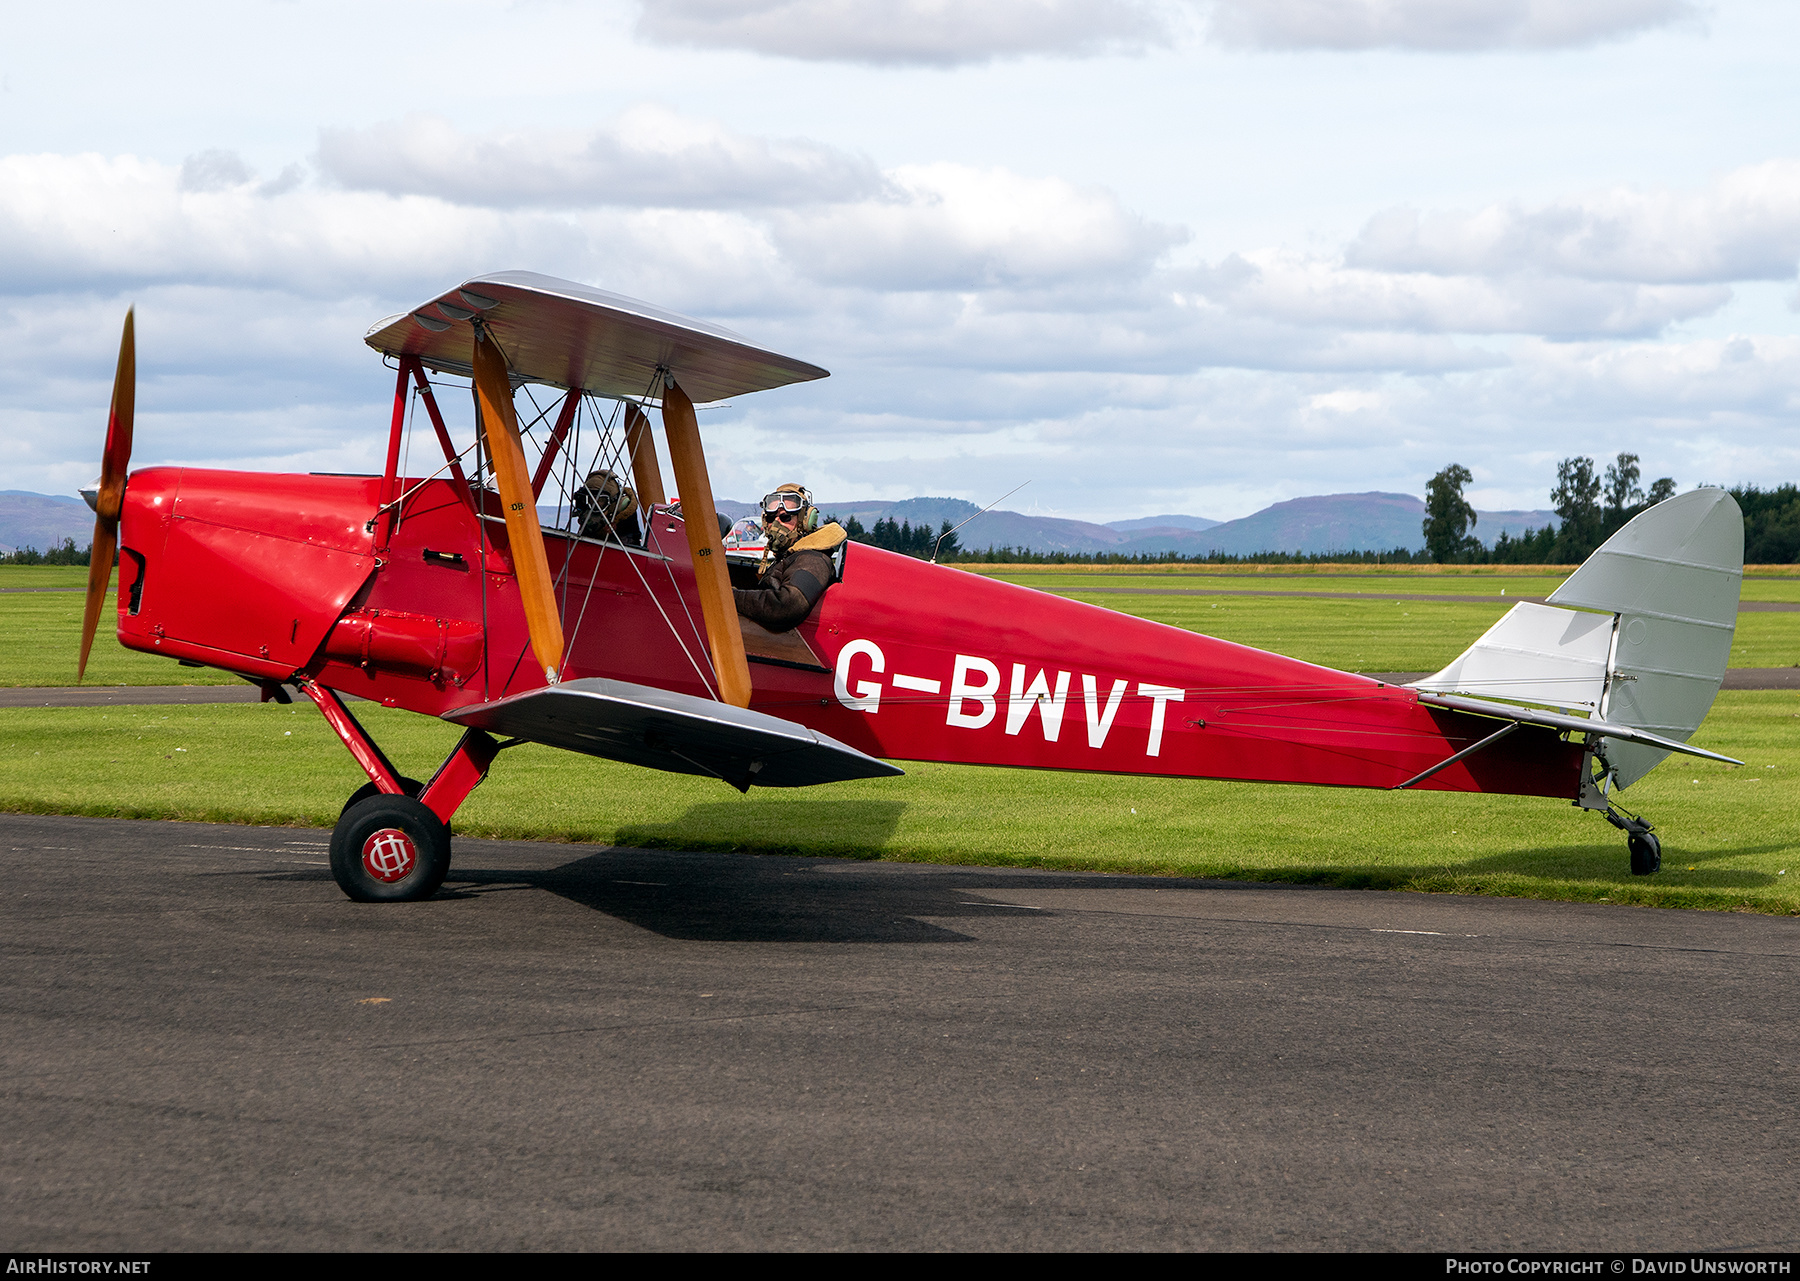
[(1670, 580)]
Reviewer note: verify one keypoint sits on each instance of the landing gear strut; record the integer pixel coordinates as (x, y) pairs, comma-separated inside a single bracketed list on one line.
[(1646, 850), (392, 842)]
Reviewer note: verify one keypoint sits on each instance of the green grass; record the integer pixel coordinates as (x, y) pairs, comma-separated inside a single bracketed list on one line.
[(68, 577), (1276, 579), (1729, 833), (1402, 579), (1766, 640), (40, 642)]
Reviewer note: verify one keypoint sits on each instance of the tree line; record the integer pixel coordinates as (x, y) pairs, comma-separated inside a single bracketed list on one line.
[(63, 553), (905, 537), (1591, 506)]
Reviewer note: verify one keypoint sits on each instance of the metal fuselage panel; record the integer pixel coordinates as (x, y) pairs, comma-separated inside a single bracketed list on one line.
[(253, 572)]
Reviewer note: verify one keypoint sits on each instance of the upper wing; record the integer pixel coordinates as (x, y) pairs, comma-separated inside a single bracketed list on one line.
[(571, 335)]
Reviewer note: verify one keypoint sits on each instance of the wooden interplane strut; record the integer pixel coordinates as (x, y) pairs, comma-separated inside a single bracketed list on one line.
[(701, 519), (500, 428)]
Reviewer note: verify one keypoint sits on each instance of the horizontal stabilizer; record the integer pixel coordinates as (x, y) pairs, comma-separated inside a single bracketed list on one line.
[(1536, 654), (674, 732), (1582, 724)]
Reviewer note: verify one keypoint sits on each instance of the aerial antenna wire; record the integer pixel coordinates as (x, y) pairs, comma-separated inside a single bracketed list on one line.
[(984, 511)]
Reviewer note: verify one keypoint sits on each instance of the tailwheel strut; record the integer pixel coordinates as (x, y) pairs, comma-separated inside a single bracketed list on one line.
[(1646, 850), (392, 842)]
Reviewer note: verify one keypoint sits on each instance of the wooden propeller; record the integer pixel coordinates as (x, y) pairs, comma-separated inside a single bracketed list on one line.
[(500, 428), (114, 463)]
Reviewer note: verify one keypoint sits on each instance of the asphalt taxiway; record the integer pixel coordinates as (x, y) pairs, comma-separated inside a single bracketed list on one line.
[(206, 1046)]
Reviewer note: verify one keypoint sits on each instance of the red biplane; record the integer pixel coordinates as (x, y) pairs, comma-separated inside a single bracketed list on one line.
[(444, 590)]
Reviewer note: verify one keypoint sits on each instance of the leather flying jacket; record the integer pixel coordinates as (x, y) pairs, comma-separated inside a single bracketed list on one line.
[(793, 583)]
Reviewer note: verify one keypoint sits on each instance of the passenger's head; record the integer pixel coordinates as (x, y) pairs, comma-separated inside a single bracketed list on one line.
[(611, 497), (788, 514)]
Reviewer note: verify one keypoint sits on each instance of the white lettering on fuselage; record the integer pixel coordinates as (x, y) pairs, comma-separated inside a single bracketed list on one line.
[(868, 693), (1100, 722), (974, 697), (1162, 695), (1050, 706), (961, 692)]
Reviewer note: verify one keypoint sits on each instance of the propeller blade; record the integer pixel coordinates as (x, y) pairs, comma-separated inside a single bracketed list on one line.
[(100, 561), (117, 458), (115, 463), (500, 428)]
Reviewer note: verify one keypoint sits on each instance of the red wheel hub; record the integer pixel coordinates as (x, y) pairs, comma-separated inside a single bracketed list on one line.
[(389, 855)]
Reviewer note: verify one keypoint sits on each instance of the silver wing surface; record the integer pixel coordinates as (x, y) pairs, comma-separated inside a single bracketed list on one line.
[(678, 733), (571, 335)]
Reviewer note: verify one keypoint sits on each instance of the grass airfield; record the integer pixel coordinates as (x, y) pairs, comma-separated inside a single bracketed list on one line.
[(1731, 839)]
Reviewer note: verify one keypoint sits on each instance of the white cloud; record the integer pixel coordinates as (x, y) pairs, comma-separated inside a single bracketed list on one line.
[(649, 157), (944, 33), (1317, 291), (216, 170), (90, 221), (982, 325), (1436, 25), (1745, 226), (952, 227), (909, 32)]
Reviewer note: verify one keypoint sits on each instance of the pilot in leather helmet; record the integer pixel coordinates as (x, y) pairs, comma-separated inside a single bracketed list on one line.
[(796, 566), (606, 507)]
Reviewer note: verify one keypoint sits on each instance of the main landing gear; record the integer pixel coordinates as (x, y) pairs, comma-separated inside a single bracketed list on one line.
[(389, 849), (1646, 850), (392, 842)]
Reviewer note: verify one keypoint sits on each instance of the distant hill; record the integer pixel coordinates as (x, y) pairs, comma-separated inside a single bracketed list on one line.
[(42, 521), (1490, 524), (1369, 522), (1324, 523), (1150, 524)]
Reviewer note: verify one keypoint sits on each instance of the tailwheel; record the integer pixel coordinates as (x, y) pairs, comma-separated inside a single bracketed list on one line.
[(1646, 853), (389, 849), (1646, 850)]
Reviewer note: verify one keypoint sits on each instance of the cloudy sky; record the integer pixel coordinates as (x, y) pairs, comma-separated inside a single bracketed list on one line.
[(1152, 255)]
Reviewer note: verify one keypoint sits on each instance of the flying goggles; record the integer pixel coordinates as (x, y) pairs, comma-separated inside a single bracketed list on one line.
[(785, 500)]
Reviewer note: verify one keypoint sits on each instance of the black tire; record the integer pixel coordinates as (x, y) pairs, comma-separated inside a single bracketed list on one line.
[(412, 785), (1646, 853), (389, 849)]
